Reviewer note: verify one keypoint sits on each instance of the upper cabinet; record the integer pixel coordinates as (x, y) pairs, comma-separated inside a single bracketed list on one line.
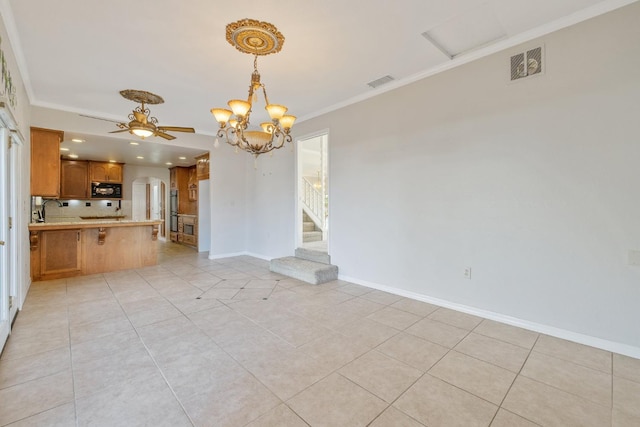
[(45, 162), (105, 172), (192, 184), (202, 166), (184, 179), (74, 179), (173, 178)]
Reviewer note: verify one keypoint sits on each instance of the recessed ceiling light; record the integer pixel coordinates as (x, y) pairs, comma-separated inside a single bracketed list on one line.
[(134, 143), (78, 140), (168, 163), (73, 156), (182, 158), (64, 149), (139, 157)]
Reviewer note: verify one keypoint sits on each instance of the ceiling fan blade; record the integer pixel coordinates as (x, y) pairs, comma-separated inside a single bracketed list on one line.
[(164, 135), (176, 129), (121, 130)]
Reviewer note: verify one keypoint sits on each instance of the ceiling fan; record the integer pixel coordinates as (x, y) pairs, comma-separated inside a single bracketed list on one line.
[(141, 123)]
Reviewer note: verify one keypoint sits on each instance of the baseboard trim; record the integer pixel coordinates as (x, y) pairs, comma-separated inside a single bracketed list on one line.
[(591, 341), (263, 257), (245, 253), (220, 256)]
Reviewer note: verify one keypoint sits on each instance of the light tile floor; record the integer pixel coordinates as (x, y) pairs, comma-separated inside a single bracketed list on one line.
[(227, 343)]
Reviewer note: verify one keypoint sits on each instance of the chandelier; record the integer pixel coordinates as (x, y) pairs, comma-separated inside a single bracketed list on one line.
[(255, 38)]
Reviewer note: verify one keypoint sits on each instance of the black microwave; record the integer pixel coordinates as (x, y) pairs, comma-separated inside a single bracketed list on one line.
[(106, 190)]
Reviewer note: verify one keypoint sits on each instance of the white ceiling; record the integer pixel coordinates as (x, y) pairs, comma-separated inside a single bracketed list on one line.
[(77, 55)]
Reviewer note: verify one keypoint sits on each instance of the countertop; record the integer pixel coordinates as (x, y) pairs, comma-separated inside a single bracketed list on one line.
[(36, 226)]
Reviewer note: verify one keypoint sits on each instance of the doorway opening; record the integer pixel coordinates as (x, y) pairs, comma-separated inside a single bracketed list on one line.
[(312, 212), (148, 201)]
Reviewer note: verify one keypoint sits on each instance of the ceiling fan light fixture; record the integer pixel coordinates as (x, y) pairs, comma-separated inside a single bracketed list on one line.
[(142, 124), (254, 38), (141, 132)]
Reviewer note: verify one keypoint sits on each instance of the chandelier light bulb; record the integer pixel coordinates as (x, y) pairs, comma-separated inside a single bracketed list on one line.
[(239, 107), (287, 122), (221, 114), (276, 111)]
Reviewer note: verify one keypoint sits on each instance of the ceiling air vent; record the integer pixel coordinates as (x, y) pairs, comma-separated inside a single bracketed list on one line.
[(379, 82), (526, 64)]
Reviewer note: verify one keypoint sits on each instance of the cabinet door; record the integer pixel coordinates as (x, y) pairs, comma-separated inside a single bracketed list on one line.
[(45, 162), (60, 251), (99, 172), (173, 179), (74, 181), (202, 166), (193, 184), (114, 173)]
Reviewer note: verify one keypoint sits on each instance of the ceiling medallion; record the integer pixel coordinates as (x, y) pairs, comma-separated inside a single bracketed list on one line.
[(141, 96), (255, 38)]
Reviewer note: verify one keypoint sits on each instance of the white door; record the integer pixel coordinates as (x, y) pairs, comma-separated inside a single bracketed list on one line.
[(4, 237), (139, 201)]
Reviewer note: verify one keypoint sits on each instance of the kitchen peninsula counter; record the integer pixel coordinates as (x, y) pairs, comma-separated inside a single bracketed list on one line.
[(67, 249)]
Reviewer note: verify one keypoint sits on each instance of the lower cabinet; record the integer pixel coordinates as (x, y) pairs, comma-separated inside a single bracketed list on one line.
[(187, 230), (61, 252)]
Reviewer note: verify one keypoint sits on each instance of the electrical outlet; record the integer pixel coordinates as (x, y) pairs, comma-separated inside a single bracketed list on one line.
[(467, 273)]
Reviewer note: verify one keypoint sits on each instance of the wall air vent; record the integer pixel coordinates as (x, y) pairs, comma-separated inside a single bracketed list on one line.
[(526, 64), (381, 81)]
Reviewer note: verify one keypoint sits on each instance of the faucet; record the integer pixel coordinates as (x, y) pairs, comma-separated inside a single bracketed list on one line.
[(44, 203)]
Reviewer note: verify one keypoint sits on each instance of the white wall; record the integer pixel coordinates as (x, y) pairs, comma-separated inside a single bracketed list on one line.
[(532, 184), (204, 215), (271, 204), (228, 202)]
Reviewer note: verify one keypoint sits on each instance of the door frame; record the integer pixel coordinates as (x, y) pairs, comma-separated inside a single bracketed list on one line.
[(298, 179), (5, 320)]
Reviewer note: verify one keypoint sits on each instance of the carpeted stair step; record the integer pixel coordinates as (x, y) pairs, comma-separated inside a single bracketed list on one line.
[(312, 272), (311, 236), (308, 226), (313, 255)]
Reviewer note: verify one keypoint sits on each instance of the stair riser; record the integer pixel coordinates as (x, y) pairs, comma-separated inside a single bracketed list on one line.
[(312, 255), (307, 271)]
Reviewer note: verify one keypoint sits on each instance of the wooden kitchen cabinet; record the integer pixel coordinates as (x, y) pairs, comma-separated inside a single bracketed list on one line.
[(61, 252), (74, 179), (45, 162), (105, 172), (192, 184), (173, 179), (202, 166), (182, 179)]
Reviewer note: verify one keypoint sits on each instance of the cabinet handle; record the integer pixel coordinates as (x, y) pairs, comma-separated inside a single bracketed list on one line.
[(78, 236)]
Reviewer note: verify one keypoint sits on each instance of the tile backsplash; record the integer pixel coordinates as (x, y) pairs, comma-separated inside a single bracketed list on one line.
[(77, 208)]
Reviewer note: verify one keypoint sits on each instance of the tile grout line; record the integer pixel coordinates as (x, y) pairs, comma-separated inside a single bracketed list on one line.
[(151, 356), (73, 376), (513, 382)]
